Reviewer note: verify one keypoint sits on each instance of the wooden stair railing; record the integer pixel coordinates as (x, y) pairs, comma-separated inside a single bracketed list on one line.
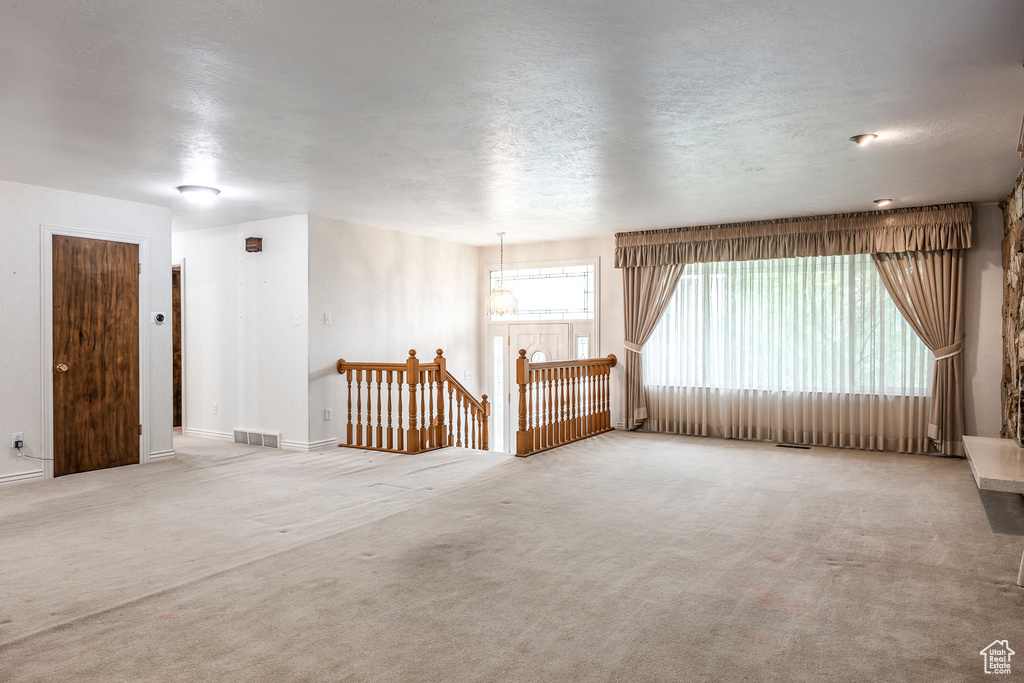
[(561, 401), (411, 397)]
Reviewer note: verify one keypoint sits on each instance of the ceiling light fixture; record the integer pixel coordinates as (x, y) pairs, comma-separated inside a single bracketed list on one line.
[(863, 138), (883, 202), (198, 194), (502, 301)]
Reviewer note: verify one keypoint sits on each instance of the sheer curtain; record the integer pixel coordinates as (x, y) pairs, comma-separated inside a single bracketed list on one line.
[(801, 350)]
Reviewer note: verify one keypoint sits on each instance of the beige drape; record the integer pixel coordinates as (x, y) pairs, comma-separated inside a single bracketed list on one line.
[(930, 228), (927, 287), (651, 259), (647, 292)]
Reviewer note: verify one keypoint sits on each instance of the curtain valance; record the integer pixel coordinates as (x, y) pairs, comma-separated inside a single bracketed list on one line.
[(929, 228)]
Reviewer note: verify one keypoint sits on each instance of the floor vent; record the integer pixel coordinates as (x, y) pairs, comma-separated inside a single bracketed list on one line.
[(792, 445), (257, 438)]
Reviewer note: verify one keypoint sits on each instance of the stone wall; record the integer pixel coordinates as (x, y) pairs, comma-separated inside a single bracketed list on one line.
[(1013, 308)]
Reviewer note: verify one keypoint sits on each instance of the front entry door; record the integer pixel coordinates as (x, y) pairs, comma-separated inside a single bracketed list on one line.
[(95, 354)]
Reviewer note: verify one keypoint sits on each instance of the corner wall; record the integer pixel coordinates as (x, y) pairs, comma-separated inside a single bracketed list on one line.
[(24, 209), (242, 347), (983, 277)]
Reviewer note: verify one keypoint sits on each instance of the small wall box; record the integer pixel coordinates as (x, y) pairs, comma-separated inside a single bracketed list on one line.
[(254, 244)]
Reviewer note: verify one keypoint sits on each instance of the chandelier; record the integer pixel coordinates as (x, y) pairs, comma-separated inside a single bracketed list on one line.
[(502, 301)]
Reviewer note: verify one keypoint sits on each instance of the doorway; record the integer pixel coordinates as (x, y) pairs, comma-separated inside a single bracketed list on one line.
[(95, 336), (176, 347)]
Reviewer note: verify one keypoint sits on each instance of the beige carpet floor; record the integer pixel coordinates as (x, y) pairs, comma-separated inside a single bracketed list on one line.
[(628, 557)]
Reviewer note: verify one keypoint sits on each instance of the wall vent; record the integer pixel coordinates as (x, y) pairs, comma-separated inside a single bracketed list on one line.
[(257, 438)]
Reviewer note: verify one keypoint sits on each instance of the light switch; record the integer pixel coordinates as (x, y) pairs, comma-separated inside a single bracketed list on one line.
[(327, 318), (469, 375), (296, 322)]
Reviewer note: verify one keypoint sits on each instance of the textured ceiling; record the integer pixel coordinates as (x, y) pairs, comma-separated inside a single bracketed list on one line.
[(547, 119)]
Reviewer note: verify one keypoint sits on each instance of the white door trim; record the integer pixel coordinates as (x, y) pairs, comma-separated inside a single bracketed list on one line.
[(46, 276)]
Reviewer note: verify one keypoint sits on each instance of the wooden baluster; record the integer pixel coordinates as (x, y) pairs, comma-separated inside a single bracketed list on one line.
[(400, 377), (573, 372), (412, 376), (579, 383), (563, 422), (442, 377), (424, 390), (605, 417), (458, 426), (535, 407), (591, 424), (391, 434), (465, 409), (369, 410), (359, 407), (555, 421), (523, 446), (348, 429), (594, 372), (549, 420), (380, 422), (566, 407), (451, 415), (486, 445)]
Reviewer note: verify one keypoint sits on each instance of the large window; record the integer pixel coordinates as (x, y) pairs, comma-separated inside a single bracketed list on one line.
[(803, 350), (558, 293), (802, 324)]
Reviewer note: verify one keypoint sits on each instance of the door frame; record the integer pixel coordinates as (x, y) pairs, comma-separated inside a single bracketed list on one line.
[(46, 305)]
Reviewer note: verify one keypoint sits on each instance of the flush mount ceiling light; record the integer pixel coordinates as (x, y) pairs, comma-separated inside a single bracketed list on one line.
[(502, 301), (883, 202), (863, 138), (198, 194)]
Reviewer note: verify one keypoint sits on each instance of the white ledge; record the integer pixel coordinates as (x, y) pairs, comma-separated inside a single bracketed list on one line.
[(997, 464)]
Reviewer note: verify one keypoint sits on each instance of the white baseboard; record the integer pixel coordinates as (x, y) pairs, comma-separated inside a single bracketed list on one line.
[(208, 434), (20, 476), (309, 447), (161, 455)]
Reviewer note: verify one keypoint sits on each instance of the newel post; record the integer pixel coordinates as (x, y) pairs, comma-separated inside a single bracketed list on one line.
[(412, 376), (486, 439), (523, 445), (440, 433)]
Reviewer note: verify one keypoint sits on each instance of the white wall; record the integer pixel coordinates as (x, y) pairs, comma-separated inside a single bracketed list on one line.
[(242, 349), (983, 304), (24, 209), (612, 321), (387, 292)]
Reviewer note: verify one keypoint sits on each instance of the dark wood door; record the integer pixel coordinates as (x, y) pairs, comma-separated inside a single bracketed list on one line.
[(95, 354), (176, 341)]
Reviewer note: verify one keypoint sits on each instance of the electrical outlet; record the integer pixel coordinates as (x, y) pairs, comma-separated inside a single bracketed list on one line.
[(214, 408), (620, 425), (327, 414), (17, 437)]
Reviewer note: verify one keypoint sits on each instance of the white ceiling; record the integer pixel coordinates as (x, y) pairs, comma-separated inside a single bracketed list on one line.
[(544, 118)]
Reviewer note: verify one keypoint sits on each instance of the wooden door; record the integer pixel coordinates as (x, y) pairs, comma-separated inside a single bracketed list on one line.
[(176, 341), (95, 354)]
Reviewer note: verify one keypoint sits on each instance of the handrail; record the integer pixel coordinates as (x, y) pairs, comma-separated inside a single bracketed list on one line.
[(561, 401), (418, 389)]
